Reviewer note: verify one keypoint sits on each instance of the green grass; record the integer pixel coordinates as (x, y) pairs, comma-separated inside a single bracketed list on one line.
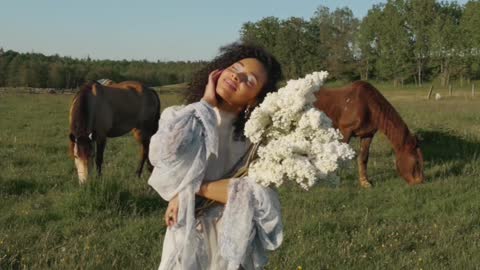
[(48, 221)]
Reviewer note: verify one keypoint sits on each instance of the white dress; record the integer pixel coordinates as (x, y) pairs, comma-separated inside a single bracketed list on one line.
[(195, 143)]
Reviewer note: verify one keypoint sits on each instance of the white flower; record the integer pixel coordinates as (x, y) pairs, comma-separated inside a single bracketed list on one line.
[(298, 142), (255, 128)]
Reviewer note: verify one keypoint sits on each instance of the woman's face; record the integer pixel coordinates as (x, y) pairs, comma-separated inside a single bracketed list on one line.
[(240, 83)]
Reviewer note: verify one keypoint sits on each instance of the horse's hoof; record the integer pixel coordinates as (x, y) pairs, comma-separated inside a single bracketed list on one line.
[(364, 183), (416, 181)]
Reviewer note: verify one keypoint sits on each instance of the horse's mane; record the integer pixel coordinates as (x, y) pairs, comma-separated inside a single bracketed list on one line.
[(79, 112), (387, 118)]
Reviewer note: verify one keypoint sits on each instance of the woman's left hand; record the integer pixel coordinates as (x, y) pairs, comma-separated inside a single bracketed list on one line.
[(171, 213)]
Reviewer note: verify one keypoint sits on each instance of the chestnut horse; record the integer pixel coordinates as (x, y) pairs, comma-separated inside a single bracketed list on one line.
[(100, 111), (360, 110)]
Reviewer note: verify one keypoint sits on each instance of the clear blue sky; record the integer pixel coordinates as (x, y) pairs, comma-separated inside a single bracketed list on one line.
[(152, 30)]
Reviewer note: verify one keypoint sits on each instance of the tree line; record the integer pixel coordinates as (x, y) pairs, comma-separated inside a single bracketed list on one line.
[(38, 70), (403, 41)]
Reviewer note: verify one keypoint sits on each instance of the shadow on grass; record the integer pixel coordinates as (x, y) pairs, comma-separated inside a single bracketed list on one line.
[(20, 186), (453, 155), (17, 187), (444, 146), (380, 166)]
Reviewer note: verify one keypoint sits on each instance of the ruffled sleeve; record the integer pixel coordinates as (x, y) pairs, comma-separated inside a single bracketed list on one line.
[(179, 151), (252, 223)]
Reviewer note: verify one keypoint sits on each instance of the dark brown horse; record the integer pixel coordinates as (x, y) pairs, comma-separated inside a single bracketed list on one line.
[(360, 110), (100, 111)]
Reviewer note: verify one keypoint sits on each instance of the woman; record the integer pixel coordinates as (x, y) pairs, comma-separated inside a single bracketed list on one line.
[(195, 152)]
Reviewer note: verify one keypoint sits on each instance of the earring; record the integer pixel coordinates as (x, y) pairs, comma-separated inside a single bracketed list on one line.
[(247, 112)]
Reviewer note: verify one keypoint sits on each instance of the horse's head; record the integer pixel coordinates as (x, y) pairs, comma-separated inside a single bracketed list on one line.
[(83, 150), (410, 162)]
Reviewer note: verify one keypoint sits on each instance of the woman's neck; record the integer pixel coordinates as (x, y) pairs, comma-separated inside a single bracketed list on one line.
[(224, 106)]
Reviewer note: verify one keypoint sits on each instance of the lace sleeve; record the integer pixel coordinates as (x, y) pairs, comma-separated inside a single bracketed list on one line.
[(179, 151), (251, 222), (177, 129)]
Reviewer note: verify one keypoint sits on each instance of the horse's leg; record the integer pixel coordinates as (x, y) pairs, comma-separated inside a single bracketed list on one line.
[(144, 140), (363, 160), (99, 155), (145, 147), (144, 155), (347, 135)]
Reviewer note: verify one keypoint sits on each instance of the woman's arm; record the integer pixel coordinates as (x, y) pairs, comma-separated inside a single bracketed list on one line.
[(216, 190)]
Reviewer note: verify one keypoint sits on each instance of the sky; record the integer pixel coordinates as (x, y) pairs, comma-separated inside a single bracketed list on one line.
[(153, 30)]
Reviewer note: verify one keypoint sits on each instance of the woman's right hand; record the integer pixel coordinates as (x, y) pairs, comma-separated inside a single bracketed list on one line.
[(210, 95), (171, 213)]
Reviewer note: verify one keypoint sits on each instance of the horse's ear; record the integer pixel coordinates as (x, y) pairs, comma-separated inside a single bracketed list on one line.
[(72, 137)]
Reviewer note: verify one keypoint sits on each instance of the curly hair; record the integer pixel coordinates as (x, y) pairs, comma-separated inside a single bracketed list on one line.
[(229, 55)]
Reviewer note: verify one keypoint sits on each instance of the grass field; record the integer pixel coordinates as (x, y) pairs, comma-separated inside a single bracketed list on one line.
[(48, 221)]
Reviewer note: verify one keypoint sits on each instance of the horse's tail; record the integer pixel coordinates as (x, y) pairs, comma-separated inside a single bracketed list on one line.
[(383, 114), (157, 111)]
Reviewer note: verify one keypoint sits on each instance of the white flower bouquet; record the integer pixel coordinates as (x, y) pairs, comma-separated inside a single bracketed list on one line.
[(294, 141)]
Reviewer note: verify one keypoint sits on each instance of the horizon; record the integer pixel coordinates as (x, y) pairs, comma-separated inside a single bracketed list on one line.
[(152, 31), (179, 31)]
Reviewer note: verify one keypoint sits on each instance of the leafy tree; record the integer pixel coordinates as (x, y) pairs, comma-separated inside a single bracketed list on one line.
[(367, 42), (336, 32), (447, 40), (469, 25), (419, 20), (16, 72), (263, 32), (291, 39), (394, 44), (35, 74)]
